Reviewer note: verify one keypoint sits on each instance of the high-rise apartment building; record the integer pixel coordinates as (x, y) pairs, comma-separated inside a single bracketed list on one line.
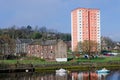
[(85, 25)]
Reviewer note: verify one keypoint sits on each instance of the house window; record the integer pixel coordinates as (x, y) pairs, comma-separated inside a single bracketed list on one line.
[(51, 47)]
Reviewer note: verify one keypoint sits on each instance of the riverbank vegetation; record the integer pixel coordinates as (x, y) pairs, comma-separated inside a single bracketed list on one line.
[(100, 59), (34, 60), (40, 65)]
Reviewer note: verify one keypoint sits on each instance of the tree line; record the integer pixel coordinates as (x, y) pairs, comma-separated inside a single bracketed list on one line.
[(30, 32)]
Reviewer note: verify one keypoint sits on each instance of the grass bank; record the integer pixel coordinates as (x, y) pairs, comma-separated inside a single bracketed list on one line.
[(80, 66), (100, 59), (76, 64), (35, 61)]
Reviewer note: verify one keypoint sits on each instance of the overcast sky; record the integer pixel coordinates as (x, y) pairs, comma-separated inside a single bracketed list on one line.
[(55, 14)]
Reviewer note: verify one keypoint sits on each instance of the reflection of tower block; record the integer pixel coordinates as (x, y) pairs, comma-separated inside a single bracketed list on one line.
[(74, 76), (61, 76), (45, 77), (50, 77)]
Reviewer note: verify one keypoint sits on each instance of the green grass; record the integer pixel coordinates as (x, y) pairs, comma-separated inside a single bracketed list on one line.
[(34, 62), (20, 61), (38, 61), (99, 59)]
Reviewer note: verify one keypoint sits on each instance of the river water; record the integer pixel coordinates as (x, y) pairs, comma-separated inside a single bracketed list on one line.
[(74, 75)]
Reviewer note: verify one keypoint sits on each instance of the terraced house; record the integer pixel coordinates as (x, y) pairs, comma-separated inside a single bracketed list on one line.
[(48, 49), (21, 45)]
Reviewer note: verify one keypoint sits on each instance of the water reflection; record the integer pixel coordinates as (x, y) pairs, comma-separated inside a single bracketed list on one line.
[(62, 76), (88, 76), (27, 76), (114, 76)]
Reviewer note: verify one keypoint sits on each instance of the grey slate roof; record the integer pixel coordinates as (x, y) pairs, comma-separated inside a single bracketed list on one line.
[(44, 42), (24, 40), (48, 42), (37, 42)]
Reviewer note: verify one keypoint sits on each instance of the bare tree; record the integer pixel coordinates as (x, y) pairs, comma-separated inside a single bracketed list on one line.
[(88, 47), (8, 45)]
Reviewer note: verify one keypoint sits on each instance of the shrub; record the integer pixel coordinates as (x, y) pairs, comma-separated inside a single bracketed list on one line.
[(69, 59)]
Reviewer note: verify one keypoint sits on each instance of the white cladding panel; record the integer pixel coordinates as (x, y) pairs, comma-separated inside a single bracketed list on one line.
[(61, 59)]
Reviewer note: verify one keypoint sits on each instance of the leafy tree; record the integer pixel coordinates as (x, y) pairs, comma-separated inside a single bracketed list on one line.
[(29, 28), (36, 35), (29, 31), (66, 37)]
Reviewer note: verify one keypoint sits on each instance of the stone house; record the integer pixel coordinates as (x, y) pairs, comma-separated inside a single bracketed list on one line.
[(48, 49), (21, 45)]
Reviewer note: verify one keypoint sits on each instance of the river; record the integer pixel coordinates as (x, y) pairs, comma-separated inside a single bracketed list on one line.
[(74, 75)]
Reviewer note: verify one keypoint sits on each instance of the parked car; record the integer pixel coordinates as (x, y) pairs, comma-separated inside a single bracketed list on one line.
[(110, 54), (113, 54)]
